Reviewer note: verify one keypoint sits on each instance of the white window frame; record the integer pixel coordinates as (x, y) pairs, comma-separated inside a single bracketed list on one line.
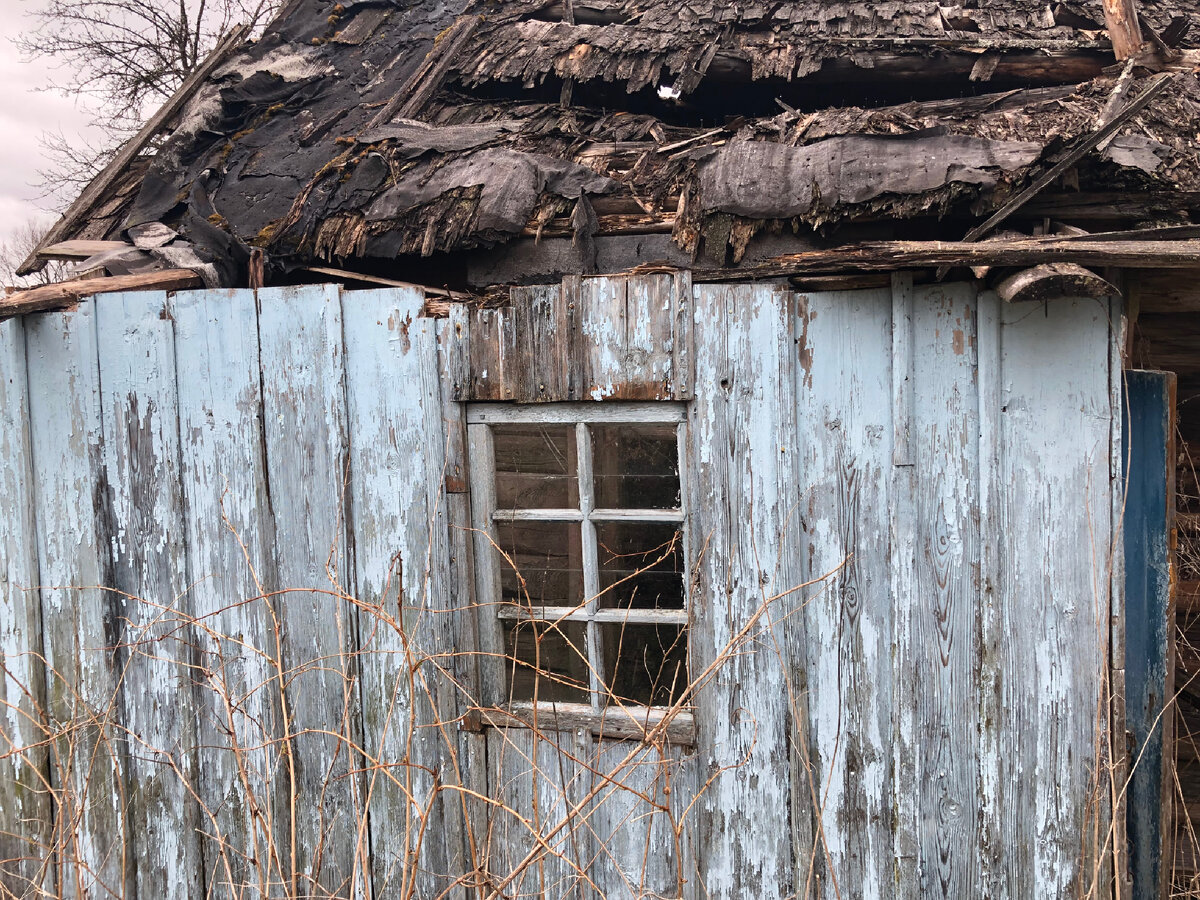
[(621, 720)]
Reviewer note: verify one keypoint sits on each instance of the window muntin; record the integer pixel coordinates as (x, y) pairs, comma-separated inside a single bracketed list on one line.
[(583, 571)]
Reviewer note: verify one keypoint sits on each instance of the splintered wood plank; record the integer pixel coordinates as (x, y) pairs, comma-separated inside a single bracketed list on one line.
[(304, 408), (229, 561), (1057, 426), (400, 556), (83, 664), (26, 866), (941, 611), (739, 535), (628, 345), (539, 838), (842, 641), (141, 455)]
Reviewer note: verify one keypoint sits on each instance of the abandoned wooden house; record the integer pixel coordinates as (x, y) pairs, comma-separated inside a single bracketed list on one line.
[(606, 448)]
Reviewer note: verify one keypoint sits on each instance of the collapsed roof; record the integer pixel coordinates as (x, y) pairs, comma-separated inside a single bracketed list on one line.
[(369, 132)]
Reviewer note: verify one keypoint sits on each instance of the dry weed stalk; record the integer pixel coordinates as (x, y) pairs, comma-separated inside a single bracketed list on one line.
[(549, 845)]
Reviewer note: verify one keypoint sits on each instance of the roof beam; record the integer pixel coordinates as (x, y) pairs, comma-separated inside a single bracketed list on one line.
[(885, 256), (67, 293)]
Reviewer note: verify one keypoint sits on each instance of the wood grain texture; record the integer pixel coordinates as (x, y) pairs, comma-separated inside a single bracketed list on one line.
[(843, 443), (304, 410), (78, 616), (396, 448), (229, 560), (25, 866), (141, 457), (1054, 721), (740, 534), (620, 338), (540, 780), (940, 613)]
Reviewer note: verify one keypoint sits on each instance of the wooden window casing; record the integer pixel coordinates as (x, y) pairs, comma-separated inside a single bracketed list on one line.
[(585, 616)]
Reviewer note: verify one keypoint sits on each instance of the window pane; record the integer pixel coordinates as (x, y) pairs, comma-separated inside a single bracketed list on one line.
[(535, 467), (552, 657), (548, 563), (641, 565), (645, 664), (636, 466)]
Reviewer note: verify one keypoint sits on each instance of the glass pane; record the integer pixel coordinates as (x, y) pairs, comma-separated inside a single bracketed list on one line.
[(536, 467), (641, 565), (544, 565), (645, 664), (636, 466), (551, 657)]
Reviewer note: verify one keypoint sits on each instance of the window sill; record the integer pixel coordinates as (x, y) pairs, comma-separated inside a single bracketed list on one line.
[(638, 723)]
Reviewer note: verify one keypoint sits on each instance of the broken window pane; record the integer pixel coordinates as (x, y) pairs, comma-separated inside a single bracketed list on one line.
[(641, 565), (645, 663), (636, 466), (548, 563), (550, 657), (536, 467)]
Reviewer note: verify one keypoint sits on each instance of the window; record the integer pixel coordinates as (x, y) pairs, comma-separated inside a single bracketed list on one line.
[(581, 555)]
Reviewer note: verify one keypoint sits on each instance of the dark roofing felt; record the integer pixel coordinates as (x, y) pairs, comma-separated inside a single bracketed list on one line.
[(382, 129)]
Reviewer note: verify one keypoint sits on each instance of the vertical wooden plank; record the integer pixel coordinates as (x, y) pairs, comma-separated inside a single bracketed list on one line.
[(304, 405), (1149, 438), (739, 534), (396, 449), (229, 560), (843, 640), (26, 865), (487, 373), (543, 374), (683, 357), (1057, 421), (903, 558), (465, 663), (141, 454), (635, 852), (458, 347), (941, 611), (1113, 866), (539, 781), (1005, 699), (627, 339), (572, 318), (79, 617)]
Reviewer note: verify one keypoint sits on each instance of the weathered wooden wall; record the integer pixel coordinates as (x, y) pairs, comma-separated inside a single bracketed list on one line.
[(240, 543)]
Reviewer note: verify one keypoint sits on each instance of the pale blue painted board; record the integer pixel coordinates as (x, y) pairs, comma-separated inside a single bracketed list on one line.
[(25, 865), (141, 454), (229, 560), (400, 554), (740, 535), (77, 616), (1057, 429), (843, 441), (939, 617), (304, 411)]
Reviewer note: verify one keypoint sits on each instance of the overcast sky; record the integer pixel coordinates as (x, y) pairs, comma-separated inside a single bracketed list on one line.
[(25, 114)]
